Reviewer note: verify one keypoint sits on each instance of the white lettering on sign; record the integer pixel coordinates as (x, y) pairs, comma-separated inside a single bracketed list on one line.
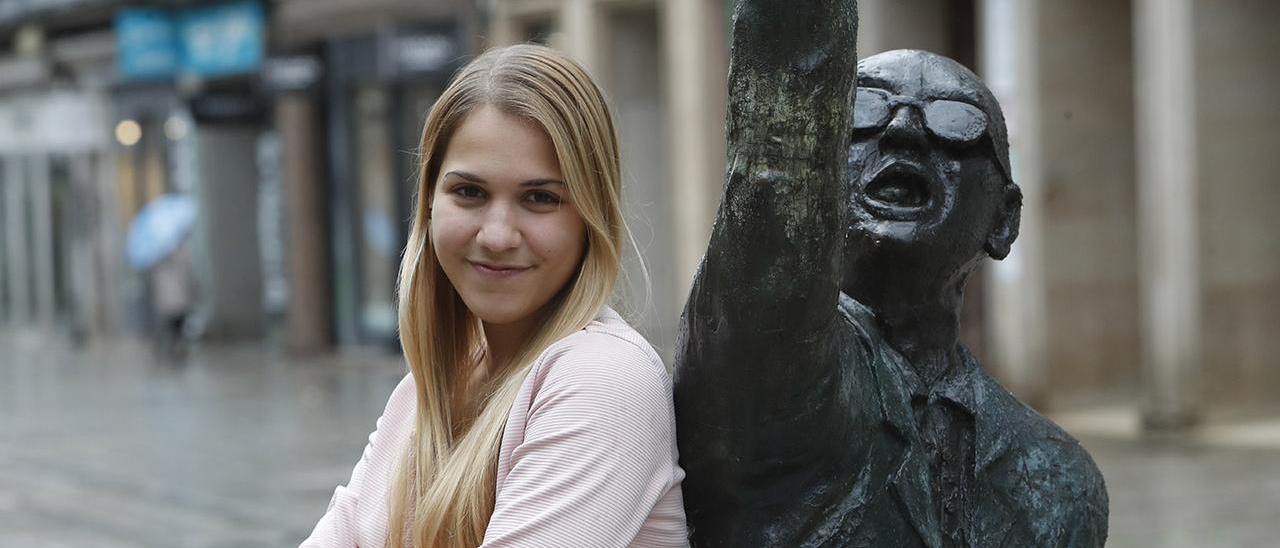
[(423, 52)]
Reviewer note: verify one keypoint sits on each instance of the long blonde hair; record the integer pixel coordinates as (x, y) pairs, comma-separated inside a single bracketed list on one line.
[(444, 495)]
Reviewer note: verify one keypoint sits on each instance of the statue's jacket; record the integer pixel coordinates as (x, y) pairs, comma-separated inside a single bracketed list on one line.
[(854, 470)]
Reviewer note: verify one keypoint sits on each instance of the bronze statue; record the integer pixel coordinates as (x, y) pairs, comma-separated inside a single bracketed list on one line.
[(822, 397)]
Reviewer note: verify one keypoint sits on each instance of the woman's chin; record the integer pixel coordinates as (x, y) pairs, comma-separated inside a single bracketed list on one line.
[(500, 313)]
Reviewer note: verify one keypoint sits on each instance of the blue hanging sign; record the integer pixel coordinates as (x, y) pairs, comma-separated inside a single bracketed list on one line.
[(224, 39), (146, 44)]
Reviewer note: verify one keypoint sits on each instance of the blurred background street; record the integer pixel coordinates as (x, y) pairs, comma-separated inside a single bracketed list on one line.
[(203, 205)]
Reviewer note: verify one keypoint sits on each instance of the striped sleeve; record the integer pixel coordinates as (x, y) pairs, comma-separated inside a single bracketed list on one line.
[(358, 511), (598, 452)]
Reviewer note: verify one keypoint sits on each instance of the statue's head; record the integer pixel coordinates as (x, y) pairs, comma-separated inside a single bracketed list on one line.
[(931, 191)]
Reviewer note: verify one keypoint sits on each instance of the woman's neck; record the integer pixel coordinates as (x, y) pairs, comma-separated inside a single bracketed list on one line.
[(503, 343)]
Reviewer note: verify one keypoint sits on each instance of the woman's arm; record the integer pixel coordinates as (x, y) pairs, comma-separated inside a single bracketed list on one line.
[(358, 510), (755, 369)]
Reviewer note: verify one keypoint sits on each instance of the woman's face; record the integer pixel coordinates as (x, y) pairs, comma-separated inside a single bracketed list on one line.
[(502, 222)]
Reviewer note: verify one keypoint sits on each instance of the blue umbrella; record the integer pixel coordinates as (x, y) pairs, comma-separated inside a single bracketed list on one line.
[(158, 229)]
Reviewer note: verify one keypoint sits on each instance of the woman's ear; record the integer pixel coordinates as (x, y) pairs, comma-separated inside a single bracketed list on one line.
[(1008, 217)]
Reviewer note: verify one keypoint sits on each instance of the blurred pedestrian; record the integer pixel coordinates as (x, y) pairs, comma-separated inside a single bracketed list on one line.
[(532, 415), (173, 296)]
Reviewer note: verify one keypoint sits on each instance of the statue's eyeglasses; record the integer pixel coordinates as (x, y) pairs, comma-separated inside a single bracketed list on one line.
[(957, 123)]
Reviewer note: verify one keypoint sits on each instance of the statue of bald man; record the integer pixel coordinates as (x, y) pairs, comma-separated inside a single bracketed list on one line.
[(822, 396)]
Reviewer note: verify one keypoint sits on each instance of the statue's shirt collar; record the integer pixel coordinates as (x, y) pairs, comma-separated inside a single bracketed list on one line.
[(956, 385)]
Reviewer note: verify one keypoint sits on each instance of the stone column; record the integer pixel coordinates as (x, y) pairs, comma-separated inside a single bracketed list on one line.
[(109, 241), (42, 245), (17, 243), (697, 61), (226, 242), (1168, 228), (503, 27), (309, 315), (1010, 65), (580, 31), (5, 290), (86, 301)]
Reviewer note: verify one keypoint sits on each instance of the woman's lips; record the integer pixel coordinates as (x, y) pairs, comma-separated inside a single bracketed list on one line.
[(497, 271)]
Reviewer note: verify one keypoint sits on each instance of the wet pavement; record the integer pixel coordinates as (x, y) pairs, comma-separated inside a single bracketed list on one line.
[(109, 447), (234, 447)]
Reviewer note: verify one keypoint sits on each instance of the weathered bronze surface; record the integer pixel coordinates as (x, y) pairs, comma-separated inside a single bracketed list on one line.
[(822, 397)]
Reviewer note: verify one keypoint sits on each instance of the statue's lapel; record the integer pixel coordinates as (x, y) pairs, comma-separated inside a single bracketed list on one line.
[(911, 485), (991, 420), (895, 398), (996, 515), (911, 479)]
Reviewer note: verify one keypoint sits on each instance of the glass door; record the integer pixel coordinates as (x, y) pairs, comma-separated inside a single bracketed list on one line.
[(377, 215)]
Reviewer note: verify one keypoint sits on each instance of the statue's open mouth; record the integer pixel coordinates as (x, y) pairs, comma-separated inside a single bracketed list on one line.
[(900, 190)]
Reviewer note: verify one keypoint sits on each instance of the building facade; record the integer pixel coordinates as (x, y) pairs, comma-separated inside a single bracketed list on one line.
[(56, 248), (1146, 270)]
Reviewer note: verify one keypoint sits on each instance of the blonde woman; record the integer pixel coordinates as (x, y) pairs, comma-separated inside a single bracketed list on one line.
[(532, 415)]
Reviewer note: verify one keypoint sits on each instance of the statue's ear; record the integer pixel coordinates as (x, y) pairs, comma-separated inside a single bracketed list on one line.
[(1005, 230)]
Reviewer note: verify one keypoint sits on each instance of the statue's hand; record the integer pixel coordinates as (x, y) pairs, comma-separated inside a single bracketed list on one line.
[(778, 35)]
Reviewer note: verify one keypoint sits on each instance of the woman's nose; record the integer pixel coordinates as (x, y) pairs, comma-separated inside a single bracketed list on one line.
[(498, 231)]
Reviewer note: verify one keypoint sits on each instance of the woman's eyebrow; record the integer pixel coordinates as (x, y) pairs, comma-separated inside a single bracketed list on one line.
[(465, 175), (471, 177), (542, 182)]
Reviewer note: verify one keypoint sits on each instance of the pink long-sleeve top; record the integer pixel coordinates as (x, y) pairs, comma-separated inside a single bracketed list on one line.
[(588, 455)]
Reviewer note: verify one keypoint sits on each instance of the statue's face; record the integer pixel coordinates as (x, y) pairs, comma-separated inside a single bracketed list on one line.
[(925, 187)]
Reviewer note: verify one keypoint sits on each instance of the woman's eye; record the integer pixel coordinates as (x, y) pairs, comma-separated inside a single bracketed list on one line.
[(543, 199), (468, 192)]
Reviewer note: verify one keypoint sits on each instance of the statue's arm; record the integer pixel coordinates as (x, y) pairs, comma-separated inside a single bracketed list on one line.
[(756, 386), (771, 274)]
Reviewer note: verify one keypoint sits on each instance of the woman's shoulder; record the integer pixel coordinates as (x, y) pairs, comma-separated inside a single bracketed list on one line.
[(397, 420), (403, 398), (609, 354)]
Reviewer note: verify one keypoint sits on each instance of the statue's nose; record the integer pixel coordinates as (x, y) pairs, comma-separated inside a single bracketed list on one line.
[(905, 130)]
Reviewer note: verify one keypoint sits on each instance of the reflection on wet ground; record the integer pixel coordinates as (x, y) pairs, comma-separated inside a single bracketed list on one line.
[(240, 446)]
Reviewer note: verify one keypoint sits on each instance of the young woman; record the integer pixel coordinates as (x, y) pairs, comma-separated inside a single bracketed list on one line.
[(532, 415)]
